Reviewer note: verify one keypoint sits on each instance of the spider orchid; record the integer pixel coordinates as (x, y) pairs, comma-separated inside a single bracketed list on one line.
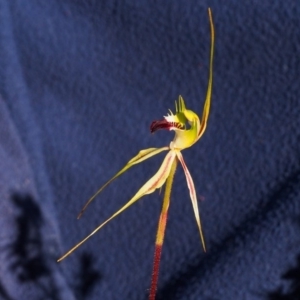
[(188, 129)]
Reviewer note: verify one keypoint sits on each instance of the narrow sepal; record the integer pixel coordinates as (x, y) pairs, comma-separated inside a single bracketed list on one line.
[(193, 196)]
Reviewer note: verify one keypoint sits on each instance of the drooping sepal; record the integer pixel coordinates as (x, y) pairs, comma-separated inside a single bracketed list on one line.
[(193, 196), (141, 156), (149, 187)]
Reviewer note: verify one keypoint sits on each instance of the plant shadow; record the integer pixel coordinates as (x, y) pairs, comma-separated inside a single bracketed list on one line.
[(86, 278), (30, 262), (293, 278)]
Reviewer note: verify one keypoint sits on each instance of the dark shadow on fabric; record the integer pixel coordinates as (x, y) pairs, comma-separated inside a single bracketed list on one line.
[(198, 267), (87, 277), (293, 277), (4, 294), (29, 262)]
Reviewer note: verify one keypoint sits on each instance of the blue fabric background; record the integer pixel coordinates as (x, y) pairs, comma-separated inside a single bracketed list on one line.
[(80, 84)]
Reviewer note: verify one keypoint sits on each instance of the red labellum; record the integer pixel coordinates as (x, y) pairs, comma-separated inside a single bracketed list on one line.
[(164, 124)]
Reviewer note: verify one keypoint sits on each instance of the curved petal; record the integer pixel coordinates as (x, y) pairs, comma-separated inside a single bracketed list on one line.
[(210, 80)]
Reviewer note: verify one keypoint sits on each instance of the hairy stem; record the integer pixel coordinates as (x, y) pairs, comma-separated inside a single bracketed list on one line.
[(161, 231)]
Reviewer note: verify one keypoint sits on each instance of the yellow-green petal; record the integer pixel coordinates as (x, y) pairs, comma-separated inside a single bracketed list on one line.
[(153, 183), (141, 156)]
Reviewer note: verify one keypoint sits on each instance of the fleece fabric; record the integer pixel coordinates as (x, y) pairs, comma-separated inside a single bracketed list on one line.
[(80, 83)]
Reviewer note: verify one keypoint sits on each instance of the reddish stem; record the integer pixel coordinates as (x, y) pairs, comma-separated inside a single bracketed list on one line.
[(161, 231), (155, 272)]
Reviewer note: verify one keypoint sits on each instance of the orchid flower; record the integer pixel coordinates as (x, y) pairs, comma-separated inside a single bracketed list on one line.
[(188, 129)]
